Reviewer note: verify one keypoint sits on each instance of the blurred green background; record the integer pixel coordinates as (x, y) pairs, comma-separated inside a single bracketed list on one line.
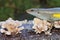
[(16, 8)]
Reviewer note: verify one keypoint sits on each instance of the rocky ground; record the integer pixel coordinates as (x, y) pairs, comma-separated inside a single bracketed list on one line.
[(25, 35)]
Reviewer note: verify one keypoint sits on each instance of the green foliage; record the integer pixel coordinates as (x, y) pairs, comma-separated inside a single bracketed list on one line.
[(54, 3), (8, 7), (31, 4), (6, 13)]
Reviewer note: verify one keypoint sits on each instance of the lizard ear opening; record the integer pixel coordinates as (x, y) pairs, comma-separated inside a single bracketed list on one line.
[(38, 12)]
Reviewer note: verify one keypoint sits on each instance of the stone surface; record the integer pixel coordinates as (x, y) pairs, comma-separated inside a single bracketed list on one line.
[(30, 35)]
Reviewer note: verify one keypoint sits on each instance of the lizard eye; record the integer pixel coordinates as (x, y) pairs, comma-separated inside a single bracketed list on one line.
[(32, 10)]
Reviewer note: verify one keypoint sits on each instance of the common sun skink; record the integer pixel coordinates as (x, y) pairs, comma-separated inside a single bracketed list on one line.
[(52, 14)]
